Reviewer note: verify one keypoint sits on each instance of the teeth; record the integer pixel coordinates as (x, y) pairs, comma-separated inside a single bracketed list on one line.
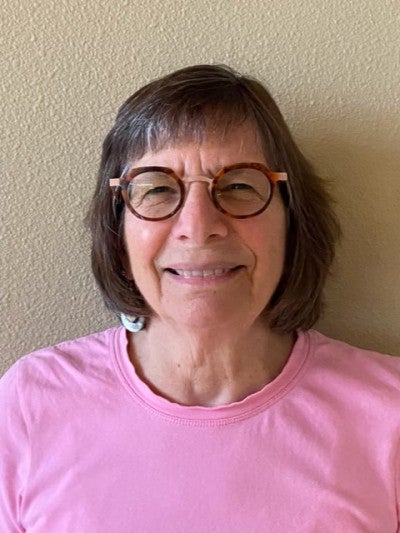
[(202, 273)]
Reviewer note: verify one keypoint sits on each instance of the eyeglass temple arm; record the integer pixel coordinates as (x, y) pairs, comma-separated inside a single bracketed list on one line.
[(278, 176)]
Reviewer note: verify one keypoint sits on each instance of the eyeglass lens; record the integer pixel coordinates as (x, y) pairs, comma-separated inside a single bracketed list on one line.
[(239, 192)]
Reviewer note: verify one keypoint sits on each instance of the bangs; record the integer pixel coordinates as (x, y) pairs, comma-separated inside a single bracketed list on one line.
[(184, 119)]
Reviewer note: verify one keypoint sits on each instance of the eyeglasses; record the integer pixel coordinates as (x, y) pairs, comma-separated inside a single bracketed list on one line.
[(156, 193)]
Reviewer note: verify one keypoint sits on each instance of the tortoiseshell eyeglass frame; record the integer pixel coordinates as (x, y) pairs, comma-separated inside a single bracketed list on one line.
[(121, 185)]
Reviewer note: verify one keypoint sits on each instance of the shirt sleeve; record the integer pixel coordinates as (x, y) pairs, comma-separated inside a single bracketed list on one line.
[(14, 452), (397, 482)]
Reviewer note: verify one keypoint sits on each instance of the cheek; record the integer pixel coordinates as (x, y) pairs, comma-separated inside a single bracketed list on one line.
[(143, 242), (270, 254), (268, 242)]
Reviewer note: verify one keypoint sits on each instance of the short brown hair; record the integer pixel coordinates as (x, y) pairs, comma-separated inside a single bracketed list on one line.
[(183, 106)]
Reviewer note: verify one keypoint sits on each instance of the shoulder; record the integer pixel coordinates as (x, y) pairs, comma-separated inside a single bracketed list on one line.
[(68, 381), (330, 351), (68, 361), (346, 370)]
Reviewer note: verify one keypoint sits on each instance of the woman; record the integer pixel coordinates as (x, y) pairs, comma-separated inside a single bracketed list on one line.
[(214, 407)]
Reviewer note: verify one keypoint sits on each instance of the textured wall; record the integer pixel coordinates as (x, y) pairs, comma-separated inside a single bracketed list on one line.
[(333, 66)]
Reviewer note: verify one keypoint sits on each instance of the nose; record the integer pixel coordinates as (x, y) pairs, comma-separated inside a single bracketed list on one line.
[(199, 220)]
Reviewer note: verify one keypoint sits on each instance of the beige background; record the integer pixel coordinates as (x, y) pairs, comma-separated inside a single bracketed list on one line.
[(334, 68)]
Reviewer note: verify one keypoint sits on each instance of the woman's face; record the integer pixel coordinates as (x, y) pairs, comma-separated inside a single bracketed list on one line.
[(201, 268)]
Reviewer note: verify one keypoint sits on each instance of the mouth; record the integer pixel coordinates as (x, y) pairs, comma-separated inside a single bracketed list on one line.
[(204, 273)]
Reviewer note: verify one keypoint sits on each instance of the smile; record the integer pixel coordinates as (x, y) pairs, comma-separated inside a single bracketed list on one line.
[(206, 273)]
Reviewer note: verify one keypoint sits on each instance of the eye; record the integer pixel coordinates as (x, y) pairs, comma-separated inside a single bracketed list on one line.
[(238, 191), (154, 195), (150, 192), (237, 187), (160, 189), (242, 191)]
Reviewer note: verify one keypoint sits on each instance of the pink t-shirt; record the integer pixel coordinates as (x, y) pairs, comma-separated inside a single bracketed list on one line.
[(85, 446)]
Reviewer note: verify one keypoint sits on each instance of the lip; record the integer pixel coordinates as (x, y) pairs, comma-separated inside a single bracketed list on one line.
[(204, 273)]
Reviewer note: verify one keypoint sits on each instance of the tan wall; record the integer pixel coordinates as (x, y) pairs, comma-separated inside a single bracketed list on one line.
[(333, 66)]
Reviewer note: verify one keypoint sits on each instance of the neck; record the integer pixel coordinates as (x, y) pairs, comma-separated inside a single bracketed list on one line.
[(211, 367)]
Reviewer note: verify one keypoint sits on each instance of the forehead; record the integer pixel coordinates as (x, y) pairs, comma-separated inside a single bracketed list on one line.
[(237, 145)]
